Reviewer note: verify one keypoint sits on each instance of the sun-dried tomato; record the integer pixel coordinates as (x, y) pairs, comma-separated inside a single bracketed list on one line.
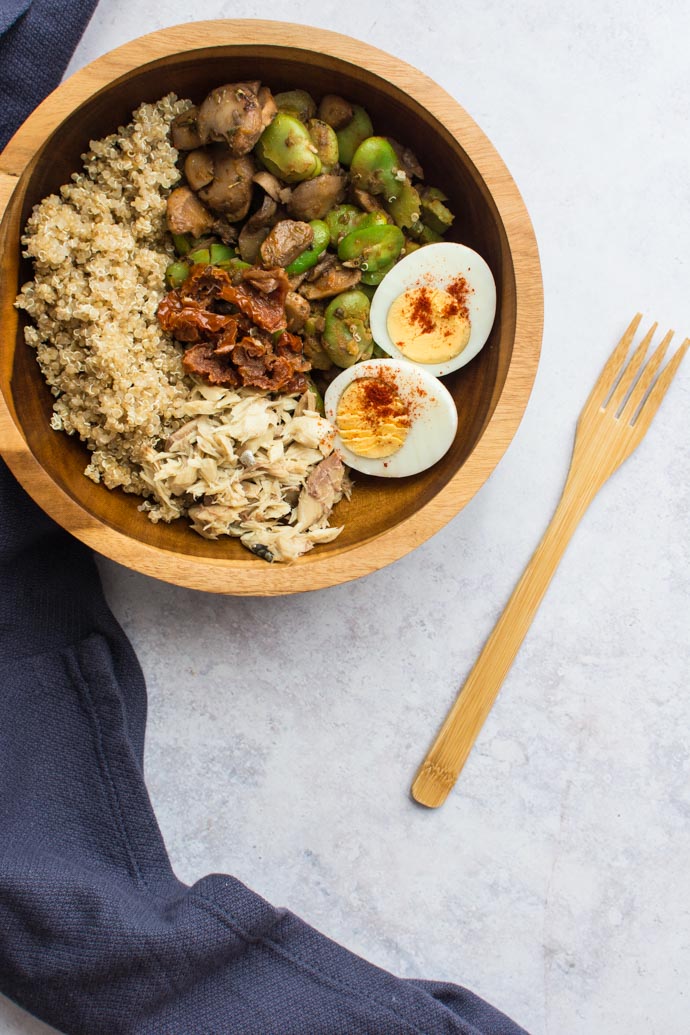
[(265, 308), (188, 320), (203, 361), (248, 347)]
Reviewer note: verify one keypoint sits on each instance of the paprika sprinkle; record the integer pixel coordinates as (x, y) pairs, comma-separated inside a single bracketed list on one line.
[(372, 418), (431, 324)]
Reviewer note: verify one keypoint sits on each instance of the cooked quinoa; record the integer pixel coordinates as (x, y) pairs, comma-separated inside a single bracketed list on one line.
[(100, 250)]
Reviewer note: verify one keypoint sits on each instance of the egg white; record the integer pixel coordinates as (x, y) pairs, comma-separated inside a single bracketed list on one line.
[(437, 265), (434, 418)]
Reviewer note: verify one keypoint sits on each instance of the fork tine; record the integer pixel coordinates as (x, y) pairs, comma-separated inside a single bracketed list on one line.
[(653, 400), (631, 371), (646, 378), (613, 366)]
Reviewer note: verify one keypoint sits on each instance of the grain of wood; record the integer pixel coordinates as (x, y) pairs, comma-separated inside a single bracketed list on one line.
[(603, 441)]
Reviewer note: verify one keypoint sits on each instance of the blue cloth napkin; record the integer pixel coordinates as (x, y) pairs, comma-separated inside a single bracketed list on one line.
[(97, 935), (37, 38)]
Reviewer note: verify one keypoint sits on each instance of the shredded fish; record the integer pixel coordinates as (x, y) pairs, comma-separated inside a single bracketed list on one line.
[(240, 466)]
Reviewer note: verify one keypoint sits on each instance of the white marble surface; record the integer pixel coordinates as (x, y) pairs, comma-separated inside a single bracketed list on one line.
[(555, 881)]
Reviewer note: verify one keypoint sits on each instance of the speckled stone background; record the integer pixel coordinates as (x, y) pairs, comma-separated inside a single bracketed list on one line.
[(284, 733)]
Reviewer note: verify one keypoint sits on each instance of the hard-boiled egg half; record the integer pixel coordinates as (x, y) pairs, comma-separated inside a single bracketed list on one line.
[(435, 307), (392, 418)]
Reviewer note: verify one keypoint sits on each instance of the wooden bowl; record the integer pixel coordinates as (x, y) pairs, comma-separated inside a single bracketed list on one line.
[(385, 519)]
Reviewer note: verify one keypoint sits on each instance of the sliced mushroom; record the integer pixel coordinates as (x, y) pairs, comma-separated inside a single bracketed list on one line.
[(230, 191), (407, 159), (271, 184), (335, 111), (265, 215), (227, 233), (232, 114), (198, 168), (184, 131), (332, 282), (250, 241), (296, 279), (326, 262), (186, 214), (369, 202), (265, 281), (286, 240), (313, 199), (269, 108), (297, 310), (255, 230)]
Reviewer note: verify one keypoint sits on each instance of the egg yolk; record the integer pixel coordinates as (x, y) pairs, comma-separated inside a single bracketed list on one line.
[(429, 324), (372, 419)]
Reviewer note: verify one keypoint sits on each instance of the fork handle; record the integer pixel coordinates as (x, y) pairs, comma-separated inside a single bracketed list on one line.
[(450, 750)]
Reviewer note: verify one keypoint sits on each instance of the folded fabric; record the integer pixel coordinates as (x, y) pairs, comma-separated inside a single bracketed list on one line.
[(97, 936), (10, 11), (37, 38), (96, 933)]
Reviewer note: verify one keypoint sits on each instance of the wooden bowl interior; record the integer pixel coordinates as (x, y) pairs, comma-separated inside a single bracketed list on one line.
[(376, 505)]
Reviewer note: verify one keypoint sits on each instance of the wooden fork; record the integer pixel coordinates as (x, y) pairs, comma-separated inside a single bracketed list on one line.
[(614, 421)]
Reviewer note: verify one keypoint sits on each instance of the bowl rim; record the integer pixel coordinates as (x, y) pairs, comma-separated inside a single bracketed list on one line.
[(221, 575)]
